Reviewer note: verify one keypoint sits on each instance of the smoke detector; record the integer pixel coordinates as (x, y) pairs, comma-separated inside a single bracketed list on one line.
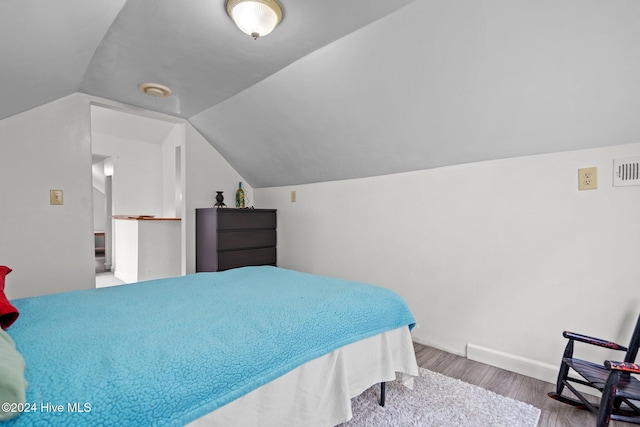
[(155, 89)]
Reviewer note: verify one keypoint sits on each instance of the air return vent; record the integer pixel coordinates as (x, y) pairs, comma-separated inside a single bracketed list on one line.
[(626, 172)]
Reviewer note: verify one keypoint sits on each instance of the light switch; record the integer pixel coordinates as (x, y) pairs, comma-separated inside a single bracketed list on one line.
[(55, 197)]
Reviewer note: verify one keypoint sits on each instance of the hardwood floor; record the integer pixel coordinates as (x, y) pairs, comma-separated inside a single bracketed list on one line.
[(509, 384)]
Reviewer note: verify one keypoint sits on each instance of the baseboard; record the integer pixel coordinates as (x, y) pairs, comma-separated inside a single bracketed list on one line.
[(124, 278), (510, 362), (437, 346)]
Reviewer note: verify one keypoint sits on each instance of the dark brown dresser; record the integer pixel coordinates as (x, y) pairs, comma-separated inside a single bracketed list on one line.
[(229, 238)]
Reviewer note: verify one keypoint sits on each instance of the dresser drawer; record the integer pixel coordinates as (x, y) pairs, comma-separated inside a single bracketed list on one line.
[(230, 238), (243, 219), (233, 259), (246, 239)]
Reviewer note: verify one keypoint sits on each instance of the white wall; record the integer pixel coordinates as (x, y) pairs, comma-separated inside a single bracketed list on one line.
[(147, 250), (99, 198), (49, 248), (137, 174), (172, 179), (503, 255)]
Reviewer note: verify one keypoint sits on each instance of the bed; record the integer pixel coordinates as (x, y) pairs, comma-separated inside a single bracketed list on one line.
[(249, 346)]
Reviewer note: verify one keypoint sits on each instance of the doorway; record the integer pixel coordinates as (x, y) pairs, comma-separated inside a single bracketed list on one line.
[(137, 169)]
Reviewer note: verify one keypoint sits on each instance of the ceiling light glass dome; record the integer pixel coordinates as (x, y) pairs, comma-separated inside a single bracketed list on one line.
[(255, 17)]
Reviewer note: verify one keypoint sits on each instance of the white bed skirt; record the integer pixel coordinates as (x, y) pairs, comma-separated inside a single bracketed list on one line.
[(319, 392)]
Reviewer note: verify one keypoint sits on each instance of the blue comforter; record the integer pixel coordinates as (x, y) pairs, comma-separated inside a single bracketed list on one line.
[(168, 351)]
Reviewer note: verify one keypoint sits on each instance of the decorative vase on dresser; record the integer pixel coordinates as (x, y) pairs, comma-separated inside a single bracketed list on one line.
[(219, 200), (230, 238), (240, 196)]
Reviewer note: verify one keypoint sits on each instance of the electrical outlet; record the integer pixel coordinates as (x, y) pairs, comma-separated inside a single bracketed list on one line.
[(588, 178), (293, 196), (55, 197)]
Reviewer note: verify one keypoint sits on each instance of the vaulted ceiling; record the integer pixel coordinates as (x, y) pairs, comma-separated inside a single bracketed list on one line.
[(344, 89)]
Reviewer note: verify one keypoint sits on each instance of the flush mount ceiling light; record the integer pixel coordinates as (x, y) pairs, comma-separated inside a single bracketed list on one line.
[(255, 17), (155, 89)]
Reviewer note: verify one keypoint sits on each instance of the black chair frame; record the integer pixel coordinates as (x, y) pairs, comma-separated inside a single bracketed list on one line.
[(614, 380)]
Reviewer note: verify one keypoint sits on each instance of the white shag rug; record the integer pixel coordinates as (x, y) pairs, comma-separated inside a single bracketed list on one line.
[(438, 400)]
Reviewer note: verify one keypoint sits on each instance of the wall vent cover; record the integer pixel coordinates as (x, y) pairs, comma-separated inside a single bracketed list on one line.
[(626, 172)]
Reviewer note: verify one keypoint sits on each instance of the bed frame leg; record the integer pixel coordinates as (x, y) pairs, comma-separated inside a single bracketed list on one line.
[(382, 393)]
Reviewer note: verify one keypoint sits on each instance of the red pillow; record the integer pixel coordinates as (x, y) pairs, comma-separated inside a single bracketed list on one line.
[(8, 313)]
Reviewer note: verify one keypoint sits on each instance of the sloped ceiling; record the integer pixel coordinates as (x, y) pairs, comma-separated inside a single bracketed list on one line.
[(345, 89), (46, 47)]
